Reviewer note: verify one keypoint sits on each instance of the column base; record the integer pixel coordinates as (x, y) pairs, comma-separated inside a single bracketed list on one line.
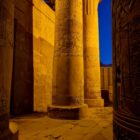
[(94, 102), (68, 112), (11, 134)]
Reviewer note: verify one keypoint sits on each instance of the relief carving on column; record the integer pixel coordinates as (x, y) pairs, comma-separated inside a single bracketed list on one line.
[(127, 50), (126, 67), (68, 74), (69, 41)]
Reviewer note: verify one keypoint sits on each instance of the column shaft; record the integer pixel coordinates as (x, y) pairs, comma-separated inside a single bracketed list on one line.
[(6, 55), (91, 54), (68, 74), (126, 70), (6, 59)]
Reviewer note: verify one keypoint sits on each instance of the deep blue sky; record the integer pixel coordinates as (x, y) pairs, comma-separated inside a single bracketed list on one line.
[(105, 28)]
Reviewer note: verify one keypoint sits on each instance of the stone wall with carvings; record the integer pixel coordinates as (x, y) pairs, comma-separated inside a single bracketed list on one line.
[(33, 50), (126, 69)]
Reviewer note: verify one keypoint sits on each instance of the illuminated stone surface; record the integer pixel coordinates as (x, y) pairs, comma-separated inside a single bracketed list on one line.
[(6, 55), (33, 44), (68, 74), (91, 54), (33, 56), (126, 69), (97, 126), (43, 44), (107, 84)]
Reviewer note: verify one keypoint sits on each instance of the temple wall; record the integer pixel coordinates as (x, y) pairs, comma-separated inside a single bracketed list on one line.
[(43, 42), (33, 50), (106, 78), (22, 78), (107, 83)]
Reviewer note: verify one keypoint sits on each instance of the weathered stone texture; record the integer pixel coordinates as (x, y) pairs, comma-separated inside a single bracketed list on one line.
[(107, 84), (33, 56), (22, 78), (91, 54), (6, 61), (41, 127), (68, 74), (6, 57), (126, 69), (43, 42)]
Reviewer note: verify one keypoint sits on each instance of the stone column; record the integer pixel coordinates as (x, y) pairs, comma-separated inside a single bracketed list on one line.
[(126, 70), (91, 54), (6, 55), (68, 74)]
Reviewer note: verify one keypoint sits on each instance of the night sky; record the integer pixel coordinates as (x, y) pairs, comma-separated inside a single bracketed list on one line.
[(105, 28)]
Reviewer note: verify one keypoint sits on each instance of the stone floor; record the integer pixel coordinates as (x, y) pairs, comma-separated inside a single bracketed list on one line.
[(98, 126)]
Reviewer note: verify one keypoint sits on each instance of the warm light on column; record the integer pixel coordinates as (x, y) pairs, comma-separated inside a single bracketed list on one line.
[(91, 54), (68, 69)]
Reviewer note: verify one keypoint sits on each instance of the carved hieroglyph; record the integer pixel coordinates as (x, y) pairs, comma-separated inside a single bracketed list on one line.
[(91, 54), (6, 46), (126, 69), (68, 74)]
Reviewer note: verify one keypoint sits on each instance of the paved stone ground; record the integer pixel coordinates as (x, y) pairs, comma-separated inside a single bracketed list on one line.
[(98, 126)]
